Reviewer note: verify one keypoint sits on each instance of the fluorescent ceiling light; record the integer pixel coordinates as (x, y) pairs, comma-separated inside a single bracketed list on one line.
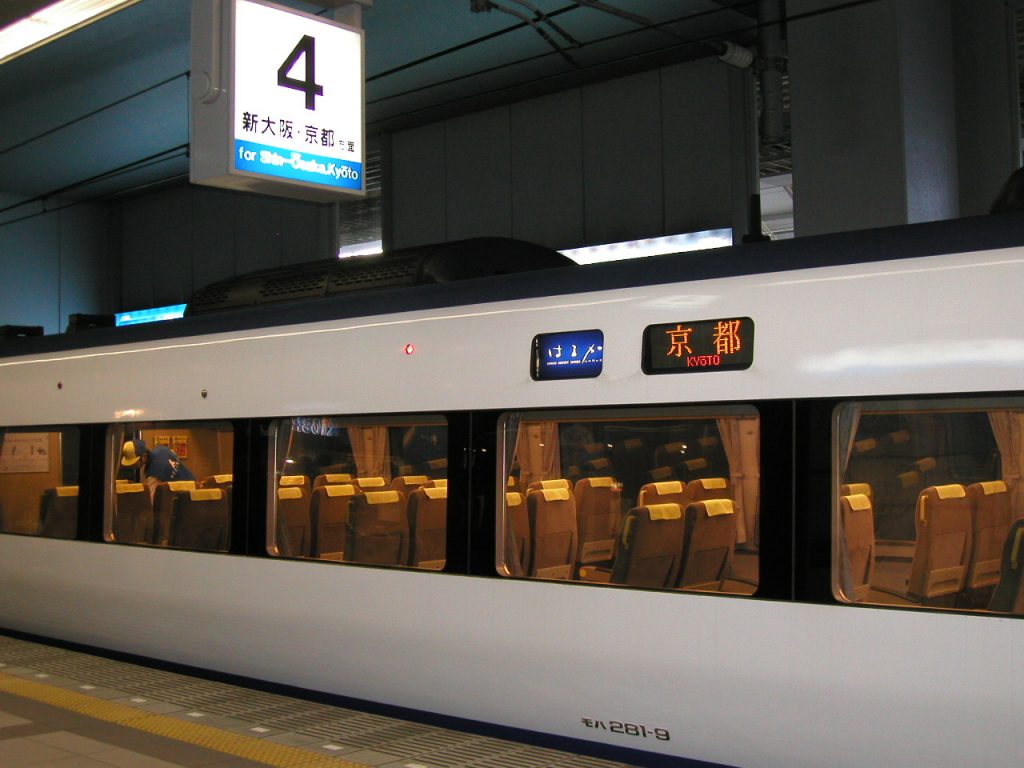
[(172, 312), (53, 21), (361, 249), (653, 246)]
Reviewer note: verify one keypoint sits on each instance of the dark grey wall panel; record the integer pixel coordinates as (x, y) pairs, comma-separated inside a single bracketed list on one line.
[(29, 259), (547, 172), (417, 173), (90, 281), (213, 254), (622, 159), (478, 182)]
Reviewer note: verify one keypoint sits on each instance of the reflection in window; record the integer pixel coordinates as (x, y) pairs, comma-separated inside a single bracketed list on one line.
[(928, 509), (39, 481), (360, 490), (660, 499), (170, 484)]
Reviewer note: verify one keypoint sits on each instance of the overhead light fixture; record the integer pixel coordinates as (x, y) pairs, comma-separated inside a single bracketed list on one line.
[(654, 246), (53, 21)]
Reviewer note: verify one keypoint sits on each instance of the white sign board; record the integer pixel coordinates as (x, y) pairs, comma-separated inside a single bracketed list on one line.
[(277, 101), (25, 452)]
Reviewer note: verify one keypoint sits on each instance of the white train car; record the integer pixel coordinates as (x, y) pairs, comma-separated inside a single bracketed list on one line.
[(757, 507)]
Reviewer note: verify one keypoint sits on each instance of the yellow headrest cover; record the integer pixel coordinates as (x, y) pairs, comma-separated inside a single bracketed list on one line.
[(130, 488), (206, 494), (861, 488), (908, 479), (370, 482), (548, 485), (513, 499), (899, 437), (292, 480), (382, 497), (339, 490), (67, 490), (436, 493), (696, 464), (992, 487), (442, 483), (223, 478), (926, 464), (556, 494), (289, 493), (667, 487), (858, 501), (716, 507), (661, 472), (664, 511), (601, 482), (413, 479), (182, 485), (712, 483), (337, 479), (862, 446), (950, 491)]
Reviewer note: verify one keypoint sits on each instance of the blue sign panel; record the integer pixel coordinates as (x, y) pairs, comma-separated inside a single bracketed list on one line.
[(567, 355), (300, 166)]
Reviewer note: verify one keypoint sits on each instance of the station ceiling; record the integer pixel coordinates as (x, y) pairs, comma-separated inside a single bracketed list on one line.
[(103, 111)]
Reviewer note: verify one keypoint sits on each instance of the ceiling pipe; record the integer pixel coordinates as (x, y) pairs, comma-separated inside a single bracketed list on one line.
[(772, 63)]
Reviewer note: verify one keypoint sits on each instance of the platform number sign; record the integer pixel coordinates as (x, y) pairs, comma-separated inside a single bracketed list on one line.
[(298, 97)]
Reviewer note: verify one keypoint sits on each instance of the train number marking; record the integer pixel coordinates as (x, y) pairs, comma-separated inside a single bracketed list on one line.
[(627, 729)]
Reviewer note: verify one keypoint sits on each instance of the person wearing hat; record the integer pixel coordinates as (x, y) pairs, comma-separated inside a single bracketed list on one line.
[(159, 465)]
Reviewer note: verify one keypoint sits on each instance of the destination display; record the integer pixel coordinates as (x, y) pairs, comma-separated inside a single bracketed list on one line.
[(567, 355), (696, 346)]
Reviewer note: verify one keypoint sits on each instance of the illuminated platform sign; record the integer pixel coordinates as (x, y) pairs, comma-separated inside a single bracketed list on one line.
[(567, 355), (699, 346), (277, 101)]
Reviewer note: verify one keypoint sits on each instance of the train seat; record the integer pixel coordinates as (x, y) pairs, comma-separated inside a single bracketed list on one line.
[(708, 544), (201, 520), (943, 521), (560, 483), (857, 517), (1009, 593), (553, 533), (328, 516), (519, 525), (441, 482), (166, 498), (217, 481), (133, 514), (293, 525), (989, 505), (428, 527), (58, 512), (705, 488), (668, 492), (370, 484), (332, 478), (598, 516), (294, 481), (852, 489), (406, 484), (378, 529), (648, 549)]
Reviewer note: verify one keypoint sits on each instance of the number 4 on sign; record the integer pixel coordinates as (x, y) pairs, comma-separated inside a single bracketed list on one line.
[(305, 47)]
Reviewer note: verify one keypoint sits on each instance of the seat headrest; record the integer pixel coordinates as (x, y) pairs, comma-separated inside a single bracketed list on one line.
[(667, 487), (223, 478), (339, 490), (855, 488), (863, 446), (435, 493), (288, 480), (993, 487), (858, 501), (206, 494), (599, 482), (712, 483), (664, 511), (382, 497), (370, 482), (926, 464), (513, 499), (440, 483), (908, 479), (412, 480), (547, 485), (336, 478), (555, 494), (716, 507), (289, 493), (130, 488), (955, 491), (67, 490), (182, 485), (693, 464)]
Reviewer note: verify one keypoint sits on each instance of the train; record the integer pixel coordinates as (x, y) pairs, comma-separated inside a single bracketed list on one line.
[(755, 506)]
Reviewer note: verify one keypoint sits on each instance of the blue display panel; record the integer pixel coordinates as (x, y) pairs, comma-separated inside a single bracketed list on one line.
[(567, 355), (694, 346), (138, 316)]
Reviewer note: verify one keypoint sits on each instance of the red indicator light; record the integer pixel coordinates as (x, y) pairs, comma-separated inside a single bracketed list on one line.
[(410, 349)]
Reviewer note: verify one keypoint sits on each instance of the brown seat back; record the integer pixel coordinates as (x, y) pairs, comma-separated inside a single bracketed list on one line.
[(378, 529), (428, 527), (598, 516), (708, 544), (989, 504), (202, 520), (553, 536), (293, 521), (1009, 594), (332, 478), (649, 546), (166, 500), (58, 512), (666, 492), (133, 514), (943, 521), (519, 521), (858, 521), (328, 518)]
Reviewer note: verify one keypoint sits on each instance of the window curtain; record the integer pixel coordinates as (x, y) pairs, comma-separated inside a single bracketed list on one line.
[(538, 452), (1008, 428), (507, 542), (846, 436), (741, 439), (370, 451)]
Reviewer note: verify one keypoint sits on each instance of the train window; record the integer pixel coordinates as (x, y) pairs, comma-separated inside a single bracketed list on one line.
[(39, 481), (928, 510), (664, 498), (169, 484), (360, 490)]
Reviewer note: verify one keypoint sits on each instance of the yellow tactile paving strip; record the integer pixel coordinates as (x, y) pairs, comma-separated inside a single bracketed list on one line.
[(237, 745)]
